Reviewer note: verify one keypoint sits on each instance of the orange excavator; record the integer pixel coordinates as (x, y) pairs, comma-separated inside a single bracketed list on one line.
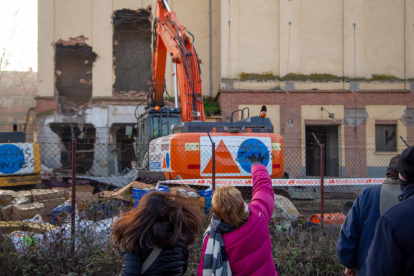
[(177, 144)]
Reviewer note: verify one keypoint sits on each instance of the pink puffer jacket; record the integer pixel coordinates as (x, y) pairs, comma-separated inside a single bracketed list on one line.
[(248, 248)]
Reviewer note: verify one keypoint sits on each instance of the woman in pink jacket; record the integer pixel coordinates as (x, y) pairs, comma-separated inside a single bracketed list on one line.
[(237, 241)]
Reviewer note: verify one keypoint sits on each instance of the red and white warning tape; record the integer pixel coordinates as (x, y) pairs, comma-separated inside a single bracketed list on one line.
[(280, 182)]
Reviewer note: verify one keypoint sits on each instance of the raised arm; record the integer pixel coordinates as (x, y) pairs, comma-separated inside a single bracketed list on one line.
[(263, 194)]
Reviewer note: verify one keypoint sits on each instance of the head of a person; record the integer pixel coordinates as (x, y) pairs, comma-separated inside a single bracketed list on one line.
[(406, 165), (392, 170), (228, 205), (160, 220)]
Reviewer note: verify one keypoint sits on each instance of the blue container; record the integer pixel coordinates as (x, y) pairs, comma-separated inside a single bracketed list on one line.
[(206, 193), (57, 212), (162, 188), (137, 194), (207, 207)]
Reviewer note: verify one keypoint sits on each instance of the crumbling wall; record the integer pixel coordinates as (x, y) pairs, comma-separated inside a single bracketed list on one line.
[(132, 51), (85, 141), (73, 70)]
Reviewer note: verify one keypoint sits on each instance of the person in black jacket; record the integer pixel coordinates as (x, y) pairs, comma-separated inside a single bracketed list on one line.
[(359, 227), (392, 249), (156, 235)]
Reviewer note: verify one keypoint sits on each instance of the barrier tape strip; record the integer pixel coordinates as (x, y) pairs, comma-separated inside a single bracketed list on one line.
[(280, 182)]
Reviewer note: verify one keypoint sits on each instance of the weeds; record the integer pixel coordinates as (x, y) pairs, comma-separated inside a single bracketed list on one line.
[(300, 252), (211, 107), (265, 76)]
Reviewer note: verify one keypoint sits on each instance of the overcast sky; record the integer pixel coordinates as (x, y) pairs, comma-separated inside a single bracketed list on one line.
[(18, 34)]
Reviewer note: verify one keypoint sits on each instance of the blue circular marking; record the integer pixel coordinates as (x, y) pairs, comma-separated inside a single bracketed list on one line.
[(247, 148), (11, 159), (167, 160)]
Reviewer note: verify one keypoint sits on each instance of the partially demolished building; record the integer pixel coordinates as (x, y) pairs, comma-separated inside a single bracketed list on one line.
[(94, 66)]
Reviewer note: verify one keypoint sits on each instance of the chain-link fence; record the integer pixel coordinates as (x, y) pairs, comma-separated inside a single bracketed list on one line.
[(40, 189)]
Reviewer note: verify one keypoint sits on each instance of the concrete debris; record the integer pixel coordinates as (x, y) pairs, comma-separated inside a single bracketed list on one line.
[(58, 73), (284, 212), (7, 211), (26, 211), (86, 62), (79, 40), (82, 81), (51, 204), (6, 196), (44, 194), (27, 194), (20, 200)]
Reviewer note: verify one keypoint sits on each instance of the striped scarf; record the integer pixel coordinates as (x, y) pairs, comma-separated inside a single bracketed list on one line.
[(215, 257)]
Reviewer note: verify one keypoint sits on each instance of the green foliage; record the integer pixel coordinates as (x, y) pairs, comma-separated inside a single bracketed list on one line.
[(376, 77), (211, 107), (311, 77), (265, 76)]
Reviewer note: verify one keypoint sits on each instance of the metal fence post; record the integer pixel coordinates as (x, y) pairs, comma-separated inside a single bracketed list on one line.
[(213, 159), (73, 188), (322, 178)]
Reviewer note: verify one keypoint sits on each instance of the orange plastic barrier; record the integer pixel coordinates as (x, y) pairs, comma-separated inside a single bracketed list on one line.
[(330, 219)]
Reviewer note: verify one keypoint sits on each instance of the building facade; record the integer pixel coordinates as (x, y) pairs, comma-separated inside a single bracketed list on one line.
[(343, 70)]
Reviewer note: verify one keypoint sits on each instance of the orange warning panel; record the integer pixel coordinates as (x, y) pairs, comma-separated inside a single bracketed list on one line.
[(164, 165), (224, 161)]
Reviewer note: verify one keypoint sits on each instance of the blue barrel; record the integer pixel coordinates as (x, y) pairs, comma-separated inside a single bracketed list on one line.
[(162, 188), (206, 193), (137, 194), (207, 207)]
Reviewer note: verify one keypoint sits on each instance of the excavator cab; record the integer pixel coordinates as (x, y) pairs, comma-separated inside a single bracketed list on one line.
[(154, 123)]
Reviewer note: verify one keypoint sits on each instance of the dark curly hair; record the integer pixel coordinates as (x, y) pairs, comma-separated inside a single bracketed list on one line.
[(392, 170)]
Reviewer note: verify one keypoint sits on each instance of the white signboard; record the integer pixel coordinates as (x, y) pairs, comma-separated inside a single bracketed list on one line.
[(232, 154), (17, 159)]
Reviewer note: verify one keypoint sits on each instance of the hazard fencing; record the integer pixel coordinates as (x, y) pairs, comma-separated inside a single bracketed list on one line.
[(42, 183)]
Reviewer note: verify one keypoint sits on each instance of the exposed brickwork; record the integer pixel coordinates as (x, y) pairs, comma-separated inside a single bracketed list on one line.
[(291, 102), (46, 105)]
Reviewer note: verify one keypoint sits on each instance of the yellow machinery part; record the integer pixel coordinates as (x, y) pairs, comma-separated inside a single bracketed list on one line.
[(18, 180)]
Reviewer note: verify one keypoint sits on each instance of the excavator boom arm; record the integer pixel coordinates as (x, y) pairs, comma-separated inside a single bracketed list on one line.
[(170, 39)]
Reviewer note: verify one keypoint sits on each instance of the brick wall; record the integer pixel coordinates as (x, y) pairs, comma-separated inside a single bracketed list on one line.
[(291, 102), (45, 105)]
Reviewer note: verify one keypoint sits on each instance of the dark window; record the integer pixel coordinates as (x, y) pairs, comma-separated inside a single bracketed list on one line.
[(386, 138), (132, 50)]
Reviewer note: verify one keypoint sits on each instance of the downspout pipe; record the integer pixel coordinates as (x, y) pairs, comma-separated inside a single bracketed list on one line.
[(210, 94)]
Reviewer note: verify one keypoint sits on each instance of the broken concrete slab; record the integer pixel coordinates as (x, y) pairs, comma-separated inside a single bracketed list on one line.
[(20, 200), (6, 196), (62, 191), (42, 194), (7, 211), (27, 194), (51, 204), (27, 211)]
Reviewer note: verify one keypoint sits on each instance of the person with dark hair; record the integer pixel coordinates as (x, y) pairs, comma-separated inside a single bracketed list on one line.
[(154, 237), (358, 229), (237, 242), (392, 249)]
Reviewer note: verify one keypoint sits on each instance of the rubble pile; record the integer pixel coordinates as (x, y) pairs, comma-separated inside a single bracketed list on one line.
[(26, 204)]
